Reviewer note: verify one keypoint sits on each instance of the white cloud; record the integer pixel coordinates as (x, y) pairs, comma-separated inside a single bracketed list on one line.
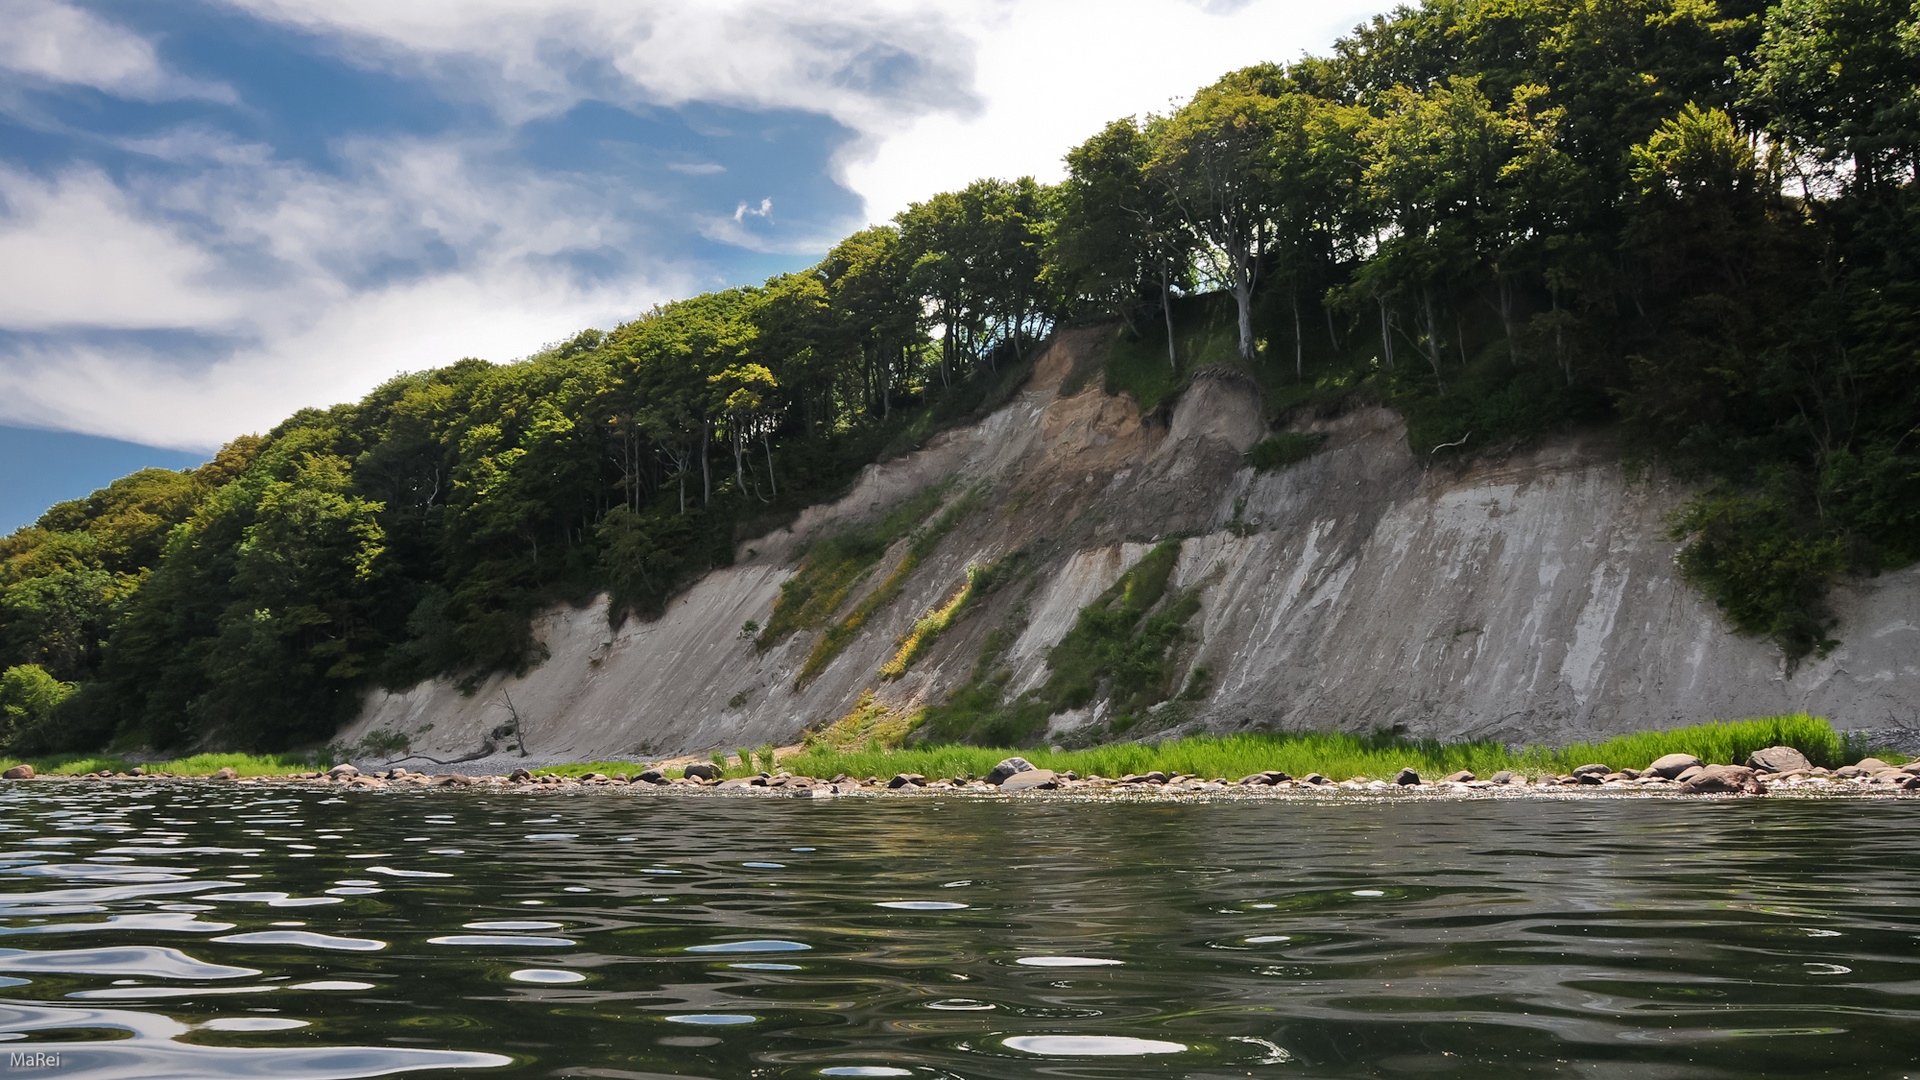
[(292, 269), (58, 43), (338, 351), (74, 251)]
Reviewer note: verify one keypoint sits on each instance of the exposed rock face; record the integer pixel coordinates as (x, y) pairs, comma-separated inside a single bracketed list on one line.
[(1008, 768), (1527, 598), (1671, 766), (1779, 759), (1723, 780)]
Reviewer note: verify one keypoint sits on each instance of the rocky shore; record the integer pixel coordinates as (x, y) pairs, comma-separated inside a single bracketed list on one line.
[(1775, 770)]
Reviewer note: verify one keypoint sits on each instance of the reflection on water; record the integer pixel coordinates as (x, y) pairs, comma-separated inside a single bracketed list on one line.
[(181, 930)]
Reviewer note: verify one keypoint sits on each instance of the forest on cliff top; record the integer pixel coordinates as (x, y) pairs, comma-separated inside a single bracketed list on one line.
[(1695, 220)]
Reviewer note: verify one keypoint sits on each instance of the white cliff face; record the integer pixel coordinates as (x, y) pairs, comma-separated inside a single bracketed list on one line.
[(1533, 599)]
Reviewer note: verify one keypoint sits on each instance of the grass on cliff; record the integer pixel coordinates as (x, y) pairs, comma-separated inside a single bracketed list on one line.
[(1342, 756)]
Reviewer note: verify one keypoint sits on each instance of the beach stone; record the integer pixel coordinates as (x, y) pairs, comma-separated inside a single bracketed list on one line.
[(1504, 776), (1671, 766), (226, 773), (1687, 774), (1406, 778), (1315, 779), (343, 770), (18, 772), (1275, 776), (1724, 780), (449, 780), (1778, 759), (901, 780), (1591, 779), (1007, 768), (651, 776), (1911, 767), (1595, 769), (701, 770), (1461, 777), (1030, 780), (519, 776), (1256, 779)]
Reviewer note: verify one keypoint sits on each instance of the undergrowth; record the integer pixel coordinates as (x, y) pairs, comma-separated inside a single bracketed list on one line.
[(1344, 756), (835, 563), (837, 635)]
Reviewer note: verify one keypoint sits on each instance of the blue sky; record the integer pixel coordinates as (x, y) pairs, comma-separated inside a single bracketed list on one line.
[(214, 213)]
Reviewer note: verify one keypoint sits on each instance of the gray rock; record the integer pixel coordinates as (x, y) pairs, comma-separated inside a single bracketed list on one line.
[(1687, 774), (1256, 780), (1778, 759), (1724, 780), (1406, 778), (343, 770), (1461, 777), (519, 776), (1595, 769), (1011, 766), (1868, 766), (226, 773), (651, 776), (1274, 776), (1671, 766), (18, 772), (1315, 779), (1030, 780), (1504, 776), (901, 780), (702, 770)]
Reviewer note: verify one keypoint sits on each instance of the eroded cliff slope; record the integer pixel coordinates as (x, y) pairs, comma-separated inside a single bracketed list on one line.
[(1529, 599)]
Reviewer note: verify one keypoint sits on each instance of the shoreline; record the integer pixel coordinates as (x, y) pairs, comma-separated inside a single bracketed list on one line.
[(1092, 788)]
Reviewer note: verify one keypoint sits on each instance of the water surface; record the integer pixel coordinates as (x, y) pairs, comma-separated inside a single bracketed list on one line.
[(196, 930)]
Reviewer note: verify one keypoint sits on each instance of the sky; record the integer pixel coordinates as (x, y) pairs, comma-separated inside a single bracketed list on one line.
[(214, 213)]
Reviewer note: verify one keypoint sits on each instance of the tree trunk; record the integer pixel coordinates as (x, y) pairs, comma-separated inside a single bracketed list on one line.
[(1433, 336), (1166, 308), (1331, 336), (1386, 332), (1243, 299), (772, 484), (706, 474), (739, 471), (1299, 342)]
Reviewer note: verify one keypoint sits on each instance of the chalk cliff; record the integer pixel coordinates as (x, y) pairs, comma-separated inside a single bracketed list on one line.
[(1529, 598)]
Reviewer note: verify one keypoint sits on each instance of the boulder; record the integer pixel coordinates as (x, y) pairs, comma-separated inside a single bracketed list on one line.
[(701, 770), (519, 776), (1911, 767), (1504, 776), (901, 780), (1274, 776), (1724, 780), (1406, 778), (18, 772), (1010, 767), (1671, 766), (1315, 779), (226, 773), (1778, 759), (450, 780), (1256, 779), (1029, 780), (650, 776), (1595, 769), (343, 771), (1461, 777)]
